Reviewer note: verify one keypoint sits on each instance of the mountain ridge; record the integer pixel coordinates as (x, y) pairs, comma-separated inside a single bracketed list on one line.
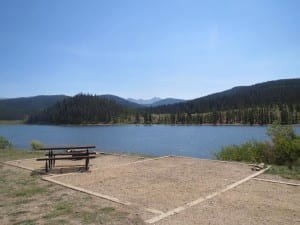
[(121, 101), (167, 101), (142, 101), (254, 104), (22, 107), (276, 92)]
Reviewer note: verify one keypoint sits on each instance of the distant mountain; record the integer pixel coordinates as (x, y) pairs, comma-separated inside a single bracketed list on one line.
[(20, 108), (261, 103), (145, 101), (263, 94), (156, 101), (167, 101), (122, 101)]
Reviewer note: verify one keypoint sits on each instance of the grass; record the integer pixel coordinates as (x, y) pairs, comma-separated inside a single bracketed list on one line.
[(107, 209), (282, 150), (285, 172), (61, 208), (103, 216), (88, 217), (13, 154), (30, 191), (244, 153), (16, 213), (25, 222), (251, 151), (25, 199)]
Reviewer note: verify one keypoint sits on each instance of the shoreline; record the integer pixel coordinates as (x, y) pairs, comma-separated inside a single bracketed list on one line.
[(8, 122), (19, 122)]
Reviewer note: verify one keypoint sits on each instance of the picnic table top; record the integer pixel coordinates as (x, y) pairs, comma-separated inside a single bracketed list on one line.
[(74, 153), (67, 147), (67, 158)]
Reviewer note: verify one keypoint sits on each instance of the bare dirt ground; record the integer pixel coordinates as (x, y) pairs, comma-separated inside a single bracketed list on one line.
[(157, 186), (253, 202), (25, 199), (278, 178), (161, 184)]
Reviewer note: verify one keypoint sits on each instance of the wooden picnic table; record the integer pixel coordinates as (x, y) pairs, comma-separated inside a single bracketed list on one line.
[(67, 153)]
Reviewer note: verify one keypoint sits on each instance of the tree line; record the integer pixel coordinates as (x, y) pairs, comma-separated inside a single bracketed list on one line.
[(285, 114), (90, 109), (266, 94), (80, 109), (258, 104)]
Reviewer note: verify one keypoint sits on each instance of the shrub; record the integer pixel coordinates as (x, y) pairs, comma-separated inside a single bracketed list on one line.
[(4, 143), (284, 149), (286, 144), (251, 151), (36, 145), (277, 132)]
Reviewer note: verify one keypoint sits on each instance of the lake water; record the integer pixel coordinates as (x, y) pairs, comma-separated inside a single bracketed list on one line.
[(195, 141)]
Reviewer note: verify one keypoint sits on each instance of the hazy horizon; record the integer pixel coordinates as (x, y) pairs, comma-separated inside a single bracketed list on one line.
[(137, 98)]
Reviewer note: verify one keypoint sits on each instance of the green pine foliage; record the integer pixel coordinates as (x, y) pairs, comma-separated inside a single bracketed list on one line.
[(280, 93), (285, 114), (21, 108), (258, 104), (81, 109)]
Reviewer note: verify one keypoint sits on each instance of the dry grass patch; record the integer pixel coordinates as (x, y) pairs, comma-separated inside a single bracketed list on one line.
[(25, 199)]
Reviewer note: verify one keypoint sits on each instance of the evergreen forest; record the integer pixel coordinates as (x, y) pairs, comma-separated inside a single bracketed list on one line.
[(257, 104)]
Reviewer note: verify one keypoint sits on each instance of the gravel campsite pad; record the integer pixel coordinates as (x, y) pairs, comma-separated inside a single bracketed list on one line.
[(160, 184), (182, 190), (253, 202)]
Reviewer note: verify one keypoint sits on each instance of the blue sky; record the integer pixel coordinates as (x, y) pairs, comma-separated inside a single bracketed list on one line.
[(145, 48)]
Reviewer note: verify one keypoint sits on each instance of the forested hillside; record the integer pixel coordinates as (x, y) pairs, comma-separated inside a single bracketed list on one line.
[(259, 95), (81, 109), (257, 104), (20, 108)]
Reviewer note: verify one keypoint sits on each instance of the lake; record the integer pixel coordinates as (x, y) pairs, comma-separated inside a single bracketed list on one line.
[(195, 141)]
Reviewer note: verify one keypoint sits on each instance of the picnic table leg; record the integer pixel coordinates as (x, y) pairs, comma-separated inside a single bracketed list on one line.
[(49, 156), (87, 160), (87, 164), (51, 161), (46, 166)]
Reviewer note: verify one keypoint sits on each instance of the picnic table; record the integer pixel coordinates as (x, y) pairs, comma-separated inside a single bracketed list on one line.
[(67, 153)]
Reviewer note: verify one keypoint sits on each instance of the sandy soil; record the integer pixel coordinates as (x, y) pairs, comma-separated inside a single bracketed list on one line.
[(254, 202), (26, 199), (277, 178), (161, 184)]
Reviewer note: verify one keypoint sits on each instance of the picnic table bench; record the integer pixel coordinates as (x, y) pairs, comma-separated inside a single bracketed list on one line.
[(67, 153)]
